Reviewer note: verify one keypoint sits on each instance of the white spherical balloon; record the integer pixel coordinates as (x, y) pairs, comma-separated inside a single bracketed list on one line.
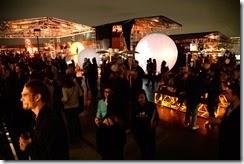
[(156, 46), (88, 53)]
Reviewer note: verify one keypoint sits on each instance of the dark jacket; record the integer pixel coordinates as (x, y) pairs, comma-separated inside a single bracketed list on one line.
[(194, 88), (142, 117), (49, 138), (145, 119), (229, 136)]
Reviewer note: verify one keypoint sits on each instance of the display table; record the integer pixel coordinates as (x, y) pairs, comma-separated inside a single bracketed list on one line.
[(166, 97)]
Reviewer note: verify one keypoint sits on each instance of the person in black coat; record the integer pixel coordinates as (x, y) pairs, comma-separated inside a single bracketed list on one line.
[(194, 91), (229, 130), (112, 130), (144, 121), (49, 139)]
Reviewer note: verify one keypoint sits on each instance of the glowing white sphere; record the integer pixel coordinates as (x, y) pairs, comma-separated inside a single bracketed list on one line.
[(88, 53), (156, 46)]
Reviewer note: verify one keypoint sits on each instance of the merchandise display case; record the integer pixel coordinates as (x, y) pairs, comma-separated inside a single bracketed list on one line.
[(170, 100)]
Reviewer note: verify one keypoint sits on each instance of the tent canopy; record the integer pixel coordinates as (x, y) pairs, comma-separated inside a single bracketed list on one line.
[(43, 27)]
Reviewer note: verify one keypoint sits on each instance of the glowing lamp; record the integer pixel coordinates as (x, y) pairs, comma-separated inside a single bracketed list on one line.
[(156, 46), (76, 48), (88, 53)]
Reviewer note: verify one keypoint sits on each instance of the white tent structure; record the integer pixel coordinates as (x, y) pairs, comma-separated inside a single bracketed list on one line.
[(43, 27)]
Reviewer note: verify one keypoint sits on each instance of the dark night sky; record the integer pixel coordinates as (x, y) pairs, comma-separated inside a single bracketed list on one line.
[(194, 15)]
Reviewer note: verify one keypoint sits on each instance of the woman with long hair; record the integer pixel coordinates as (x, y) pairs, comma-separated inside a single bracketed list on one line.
[(144, 121), (71, 94)]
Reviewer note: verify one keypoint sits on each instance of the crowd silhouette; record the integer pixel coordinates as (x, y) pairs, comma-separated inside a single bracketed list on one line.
[(117, 92)]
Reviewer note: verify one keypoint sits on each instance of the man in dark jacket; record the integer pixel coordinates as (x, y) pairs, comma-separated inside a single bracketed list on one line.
[(194, 90), (229, 131), (48, 140)]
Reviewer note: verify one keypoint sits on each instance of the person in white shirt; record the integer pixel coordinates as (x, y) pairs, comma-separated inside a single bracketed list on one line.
[(71, 94)]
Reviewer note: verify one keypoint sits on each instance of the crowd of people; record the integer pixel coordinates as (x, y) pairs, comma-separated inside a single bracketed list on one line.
[(201, 81), (64, 95), (121, 102)]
